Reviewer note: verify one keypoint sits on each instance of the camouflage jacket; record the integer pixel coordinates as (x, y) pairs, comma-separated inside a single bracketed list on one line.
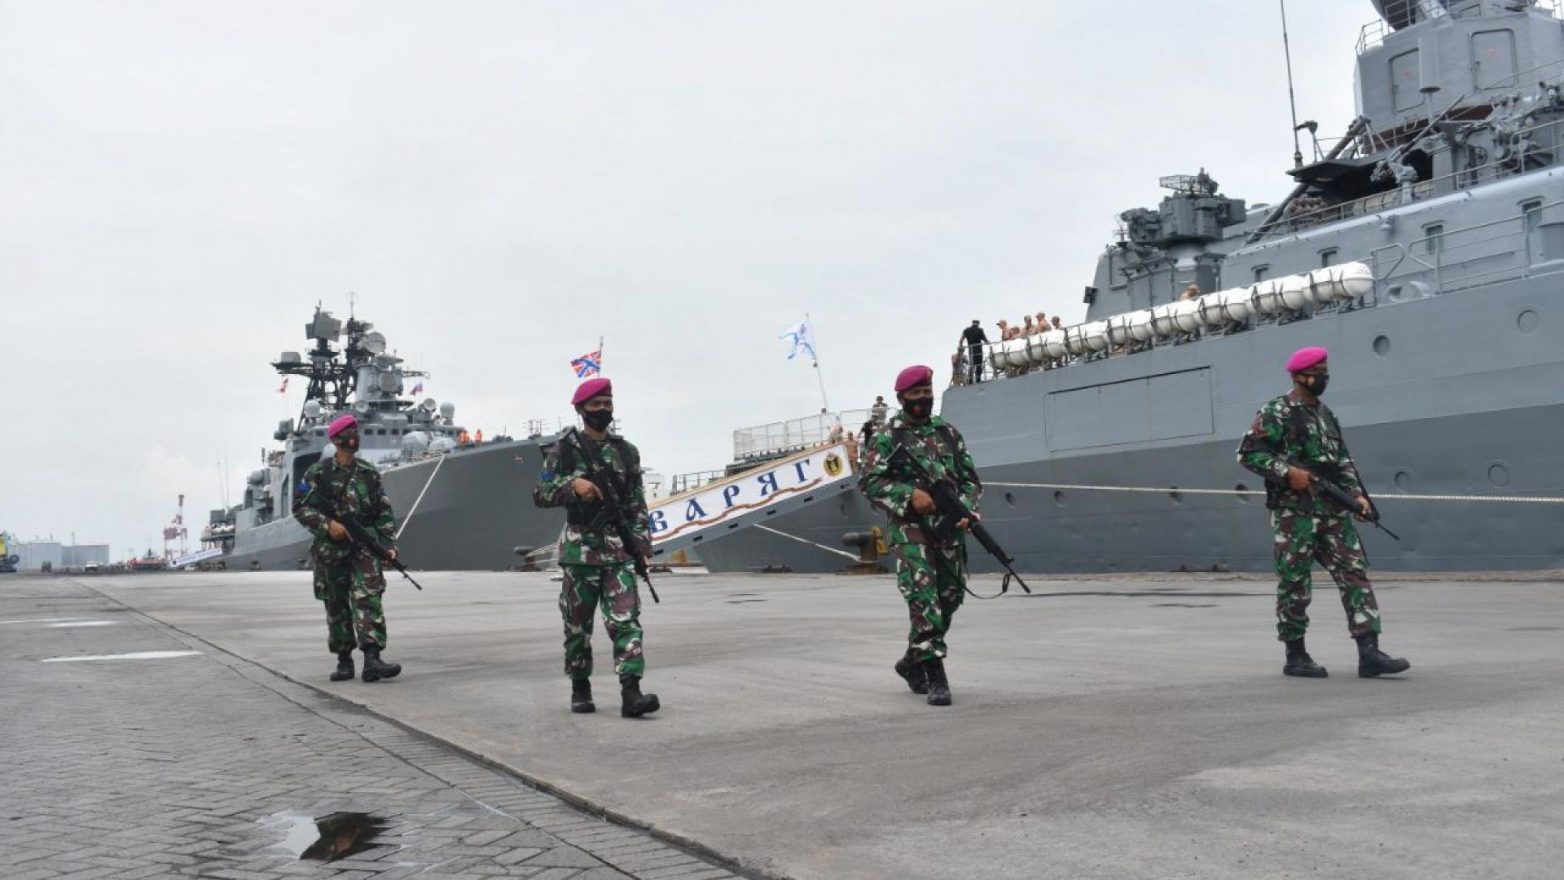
[(939, 447), (589, 538), (1311, 437), (355, 491)]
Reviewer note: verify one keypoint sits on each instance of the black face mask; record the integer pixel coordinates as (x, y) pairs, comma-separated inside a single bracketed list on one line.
[(598, 419), (919, 409), (1316, 382)]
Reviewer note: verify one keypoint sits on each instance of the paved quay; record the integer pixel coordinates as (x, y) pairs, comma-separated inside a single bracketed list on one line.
[(1125, 727), (169, 758)]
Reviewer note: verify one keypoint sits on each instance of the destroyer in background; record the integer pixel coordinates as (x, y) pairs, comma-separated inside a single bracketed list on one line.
[(1425, 249), (463, 505)]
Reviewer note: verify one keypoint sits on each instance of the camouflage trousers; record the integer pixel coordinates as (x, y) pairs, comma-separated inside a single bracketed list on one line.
[(582, 590), (1301, 539), (351, 588), (934, 589)]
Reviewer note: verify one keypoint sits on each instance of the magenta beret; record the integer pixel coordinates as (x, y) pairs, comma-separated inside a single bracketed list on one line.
[(340, 424), (914, 376), (1304, 358), (592, 388)]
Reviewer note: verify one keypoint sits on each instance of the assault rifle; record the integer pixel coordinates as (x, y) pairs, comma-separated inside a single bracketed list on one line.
[(952, 510), (614, 504), (1344, 498), (356, 531)]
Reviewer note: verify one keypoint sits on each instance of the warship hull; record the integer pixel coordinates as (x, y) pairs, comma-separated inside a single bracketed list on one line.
[(1454, 394), (476, 511)]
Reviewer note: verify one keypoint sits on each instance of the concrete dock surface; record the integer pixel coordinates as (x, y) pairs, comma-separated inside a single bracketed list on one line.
[(1133, 726)]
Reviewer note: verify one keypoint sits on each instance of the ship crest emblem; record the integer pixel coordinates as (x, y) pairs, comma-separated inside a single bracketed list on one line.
[(833, 465)]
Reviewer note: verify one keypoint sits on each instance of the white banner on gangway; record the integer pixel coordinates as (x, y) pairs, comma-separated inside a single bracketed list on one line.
[(682, 517)]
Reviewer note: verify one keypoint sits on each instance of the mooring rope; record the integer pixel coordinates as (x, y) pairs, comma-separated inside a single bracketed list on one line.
[(420, 499), (806, 541), (1169, 490)]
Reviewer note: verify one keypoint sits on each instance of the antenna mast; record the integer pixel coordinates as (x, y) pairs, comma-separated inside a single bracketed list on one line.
[(1292, 102)]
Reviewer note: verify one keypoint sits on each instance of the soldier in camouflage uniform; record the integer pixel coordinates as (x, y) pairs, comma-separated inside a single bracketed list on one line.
[(1296, 440), (598, 569), (347, 575), (931, 572)]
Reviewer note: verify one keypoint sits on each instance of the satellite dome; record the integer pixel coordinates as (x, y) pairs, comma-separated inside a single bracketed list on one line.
[(448, 410), (312, 409), (415, 443)]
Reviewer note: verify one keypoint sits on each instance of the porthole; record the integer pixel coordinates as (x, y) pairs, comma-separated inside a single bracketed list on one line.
[(1382, 345), (1059, 497), (1010, 499), (1498, 474), (1176, 495), (1528, 320), (1403, 480), (1243, 493)]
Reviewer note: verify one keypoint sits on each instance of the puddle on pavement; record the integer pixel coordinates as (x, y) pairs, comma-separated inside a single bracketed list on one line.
[(327, 838)]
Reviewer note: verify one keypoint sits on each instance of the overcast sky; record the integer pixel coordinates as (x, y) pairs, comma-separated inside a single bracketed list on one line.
[(502, 183)]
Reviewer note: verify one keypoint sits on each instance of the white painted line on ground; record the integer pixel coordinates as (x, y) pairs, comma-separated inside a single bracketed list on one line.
[(38, 619), (71, 623), (138, 655)]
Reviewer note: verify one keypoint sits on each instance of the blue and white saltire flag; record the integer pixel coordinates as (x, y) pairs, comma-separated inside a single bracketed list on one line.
[(589, 364), (801, 338)]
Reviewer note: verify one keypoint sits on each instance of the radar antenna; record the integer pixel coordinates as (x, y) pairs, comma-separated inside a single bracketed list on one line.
[(1292, 102)]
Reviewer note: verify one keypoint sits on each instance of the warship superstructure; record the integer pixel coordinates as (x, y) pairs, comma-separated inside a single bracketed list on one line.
[(462, 504), (1424, 248)]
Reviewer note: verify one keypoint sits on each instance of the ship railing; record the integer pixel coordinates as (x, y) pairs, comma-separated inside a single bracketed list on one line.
[(539, 427), (681, 483), (1373, 34), (1529, 242), (763, 441)]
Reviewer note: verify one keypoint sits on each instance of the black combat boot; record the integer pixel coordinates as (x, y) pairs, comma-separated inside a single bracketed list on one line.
[(375, 669), (1372, 662), (344, 666), (581, 696), (939, 686), (1299, 662), (636, 703), (912, 671)]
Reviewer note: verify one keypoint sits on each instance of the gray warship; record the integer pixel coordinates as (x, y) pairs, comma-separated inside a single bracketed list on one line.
[(1424, 248), (461, 505)]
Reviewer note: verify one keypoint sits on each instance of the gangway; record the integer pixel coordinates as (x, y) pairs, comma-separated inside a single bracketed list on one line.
[(749, 498)]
